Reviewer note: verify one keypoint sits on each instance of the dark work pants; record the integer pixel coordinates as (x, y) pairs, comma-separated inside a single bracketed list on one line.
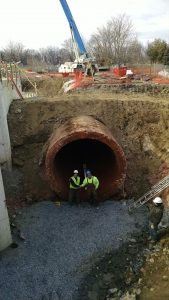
[(153, 231), (91, 193), (74, 196)]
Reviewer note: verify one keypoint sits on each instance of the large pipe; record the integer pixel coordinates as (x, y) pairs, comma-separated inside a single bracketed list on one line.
[(86, 140)]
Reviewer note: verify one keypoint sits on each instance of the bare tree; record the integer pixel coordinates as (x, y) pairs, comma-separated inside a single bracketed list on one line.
[(99, 46), (136, 52), (121, 36), (50, 55), (34, 60), (67, 50), (14, 52), (110, 43)]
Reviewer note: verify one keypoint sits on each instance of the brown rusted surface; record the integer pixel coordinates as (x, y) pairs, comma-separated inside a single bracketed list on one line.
[(82, 140)]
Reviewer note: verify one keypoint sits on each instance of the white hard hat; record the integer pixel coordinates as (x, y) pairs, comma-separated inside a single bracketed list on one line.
[(75, 172), (157, 200)]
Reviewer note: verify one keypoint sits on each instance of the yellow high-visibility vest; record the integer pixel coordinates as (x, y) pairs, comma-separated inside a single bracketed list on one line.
[(76, 180), (93, 180)]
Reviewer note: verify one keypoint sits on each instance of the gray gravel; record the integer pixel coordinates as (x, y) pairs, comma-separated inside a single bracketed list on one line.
[(61, 244)]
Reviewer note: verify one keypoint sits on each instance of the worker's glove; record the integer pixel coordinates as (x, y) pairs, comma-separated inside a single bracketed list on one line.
[(152, 226)]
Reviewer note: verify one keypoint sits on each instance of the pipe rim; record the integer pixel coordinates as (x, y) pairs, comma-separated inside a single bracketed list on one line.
[(81, 135)]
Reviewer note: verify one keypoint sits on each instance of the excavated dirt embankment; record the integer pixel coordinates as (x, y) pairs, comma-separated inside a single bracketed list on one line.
[(139, 123)]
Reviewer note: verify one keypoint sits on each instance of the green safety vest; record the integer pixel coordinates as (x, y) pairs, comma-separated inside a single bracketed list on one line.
[(76, 180), (93, 180)]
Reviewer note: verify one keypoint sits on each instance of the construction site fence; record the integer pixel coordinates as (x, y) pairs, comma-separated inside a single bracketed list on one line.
[(149, 69)]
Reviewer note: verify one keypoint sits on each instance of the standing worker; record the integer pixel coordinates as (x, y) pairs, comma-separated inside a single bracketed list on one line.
[(91, 184), (74, 185), (155, 216)]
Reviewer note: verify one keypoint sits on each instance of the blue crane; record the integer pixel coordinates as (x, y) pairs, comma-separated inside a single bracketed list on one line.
[(82, 57), (73, 27)]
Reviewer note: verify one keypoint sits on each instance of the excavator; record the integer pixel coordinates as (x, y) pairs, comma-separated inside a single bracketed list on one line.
[(83, 60)]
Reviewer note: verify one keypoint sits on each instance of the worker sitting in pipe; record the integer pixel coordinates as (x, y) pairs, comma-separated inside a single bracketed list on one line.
[(74, 185), (91, 184), (155, 215)]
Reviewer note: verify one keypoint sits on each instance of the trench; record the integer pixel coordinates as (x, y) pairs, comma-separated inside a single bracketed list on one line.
[(84, 140)]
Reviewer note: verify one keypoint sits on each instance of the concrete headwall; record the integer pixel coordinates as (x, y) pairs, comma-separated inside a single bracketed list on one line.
[(8, 92), (5, 234), (6, 95), (139, 123), (5, 101)]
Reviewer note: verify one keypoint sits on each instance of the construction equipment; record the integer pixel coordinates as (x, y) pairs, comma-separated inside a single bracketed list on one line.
[(84, 61), (155, 190)]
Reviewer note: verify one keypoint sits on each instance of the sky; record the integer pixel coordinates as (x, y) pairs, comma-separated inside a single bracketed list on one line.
[(41, 23)]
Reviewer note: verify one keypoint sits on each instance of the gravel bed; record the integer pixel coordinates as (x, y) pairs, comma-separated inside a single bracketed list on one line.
[(60, 245)]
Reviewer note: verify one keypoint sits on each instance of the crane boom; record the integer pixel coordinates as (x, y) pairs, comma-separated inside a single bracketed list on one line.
[(84, 61), (73, 27)]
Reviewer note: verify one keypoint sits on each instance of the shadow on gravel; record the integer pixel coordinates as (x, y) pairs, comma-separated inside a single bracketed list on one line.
[(116, 270)]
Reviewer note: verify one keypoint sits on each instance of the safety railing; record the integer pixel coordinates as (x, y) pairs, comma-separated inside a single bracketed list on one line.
[(10, 75)]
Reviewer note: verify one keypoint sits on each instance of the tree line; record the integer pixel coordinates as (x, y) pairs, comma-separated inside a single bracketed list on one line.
[(114, 43)]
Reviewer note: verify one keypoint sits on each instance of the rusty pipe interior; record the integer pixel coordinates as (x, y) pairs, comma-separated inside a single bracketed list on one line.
[(84, 140)]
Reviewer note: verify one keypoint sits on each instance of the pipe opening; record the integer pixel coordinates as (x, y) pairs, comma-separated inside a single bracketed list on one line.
[(98, 157), (84, 140)]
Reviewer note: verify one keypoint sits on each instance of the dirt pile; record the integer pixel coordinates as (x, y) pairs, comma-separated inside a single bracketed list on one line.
[(153, 283), (107, 82), (50, 87), (155, 278)]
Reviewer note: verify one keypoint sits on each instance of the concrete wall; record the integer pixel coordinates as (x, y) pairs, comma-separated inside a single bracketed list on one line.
[(6, 95), (5, 234)]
